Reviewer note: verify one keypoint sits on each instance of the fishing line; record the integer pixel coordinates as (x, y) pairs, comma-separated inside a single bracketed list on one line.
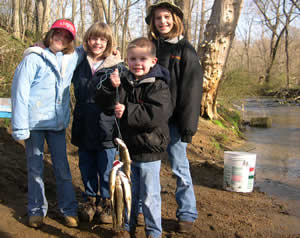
[(103, 78)]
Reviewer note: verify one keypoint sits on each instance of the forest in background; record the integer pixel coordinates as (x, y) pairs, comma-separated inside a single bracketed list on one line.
[(257, 40)]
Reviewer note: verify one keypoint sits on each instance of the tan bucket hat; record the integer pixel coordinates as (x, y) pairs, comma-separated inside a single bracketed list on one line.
[(164, 4)]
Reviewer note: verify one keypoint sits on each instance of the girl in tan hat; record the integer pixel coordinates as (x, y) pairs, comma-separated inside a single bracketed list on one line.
[(178, 55)]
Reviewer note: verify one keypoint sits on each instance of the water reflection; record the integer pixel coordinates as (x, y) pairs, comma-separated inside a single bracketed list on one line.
[(277, 149)]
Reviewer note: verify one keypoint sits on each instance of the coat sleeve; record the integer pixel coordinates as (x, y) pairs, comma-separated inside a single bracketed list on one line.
[(154, 107), (23, 77), (189, 93)]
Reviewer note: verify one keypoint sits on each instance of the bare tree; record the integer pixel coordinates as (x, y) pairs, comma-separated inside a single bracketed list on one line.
[(16, 19), (185, 5), (82, 17), (74, 8), (272, 13), (46, 16), (124, 31), (58, 8), (38, 17), (98, 9), (219, 34), (29, 15), (296, 4), (202, 26)]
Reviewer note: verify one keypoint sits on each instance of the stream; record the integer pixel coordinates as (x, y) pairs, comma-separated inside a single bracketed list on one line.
[(277, 149)]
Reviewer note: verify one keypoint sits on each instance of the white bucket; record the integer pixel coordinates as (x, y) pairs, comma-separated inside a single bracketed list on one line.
[(239, 170)]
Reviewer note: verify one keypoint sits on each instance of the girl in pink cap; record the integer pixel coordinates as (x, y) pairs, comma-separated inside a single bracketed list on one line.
[(40, 111)]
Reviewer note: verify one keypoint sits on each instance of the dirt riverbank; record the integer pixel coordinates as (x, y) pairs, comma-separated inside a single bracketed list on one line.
[(221, 213)]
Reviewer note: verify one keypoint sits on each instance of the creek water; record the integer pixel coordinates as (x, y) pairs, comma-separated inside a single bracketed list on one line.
[(277, 149)]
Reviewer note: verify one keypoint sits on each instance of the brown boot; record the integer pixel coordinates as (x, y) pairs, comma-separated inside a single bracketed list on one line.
[(71, 221), (185, 226), (105, 214), (36, 221), (87, 210), (122, 234)]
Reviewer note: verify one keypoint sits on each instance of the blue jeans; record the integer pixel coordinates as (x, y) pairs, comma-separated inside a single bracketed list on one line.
[(37, 202), (185, 196), (94, 167), (145, 179)]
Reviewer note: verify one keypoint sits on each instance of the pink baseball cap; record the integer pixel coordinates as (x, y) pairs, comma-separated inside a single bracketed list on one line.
[(65, 24)]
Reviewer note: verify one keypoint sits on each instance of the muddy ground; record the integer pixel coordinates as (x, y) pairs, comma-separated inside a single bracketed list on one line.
[(221, 213)]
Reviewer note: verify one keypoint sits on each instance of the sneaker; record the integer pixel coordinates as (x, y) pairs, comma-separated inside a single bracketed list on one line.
[(140, 220), (87, 210), (105, 216), (122, 234), (185, 226), (71, 221), (36, 221)]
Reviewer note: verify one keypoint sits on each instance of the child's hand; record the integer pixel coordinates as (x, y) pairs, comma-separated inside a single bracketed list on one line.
[(115, 79), (119, 110), (116, 52)]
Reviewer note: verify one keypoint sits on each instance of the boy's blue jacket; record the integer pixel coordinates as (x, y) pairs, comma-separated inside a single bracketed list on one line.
[(41, 91)]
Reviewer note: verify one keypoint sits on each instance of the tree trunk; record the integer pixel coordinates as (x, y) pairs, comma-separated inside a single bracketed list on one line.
[(58, 9), (74, 7), (98, 9), (16, 19), (287, 63), (219, 34), (82, 17), (29, 15), (202, 26), (46, 16), (38, 16), (124, 30), (185, 6)]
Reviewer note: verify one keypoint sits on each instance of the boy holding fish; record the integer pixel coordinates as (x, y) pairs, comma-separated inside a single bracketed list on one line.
[(143, 106)]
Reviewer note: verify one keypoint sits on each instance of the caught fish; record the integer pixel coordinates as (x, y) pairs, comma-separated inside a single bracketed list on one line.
[(119, 204), (112, 182), (126, 191), (125, 157)]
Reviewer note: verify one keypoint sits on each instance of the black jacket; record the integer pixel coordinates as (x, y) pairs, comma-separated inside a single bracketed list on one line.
[(144, 124), (92, 129), (180, 57)]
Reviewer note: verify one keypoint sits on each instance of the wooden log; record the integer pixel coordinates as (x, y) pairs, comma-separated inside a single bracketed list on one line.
[(265, 122)]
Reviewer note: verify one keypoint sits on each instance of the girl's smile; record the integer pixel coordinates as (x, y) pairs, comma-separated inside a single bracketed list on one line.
[(163, 21), (97, 45)]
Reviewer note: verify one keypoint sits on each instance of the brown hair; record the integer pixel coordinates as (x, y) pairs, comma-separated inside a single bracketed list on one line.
[(142, 42), (177, 30), (99, 29), (48, 38)]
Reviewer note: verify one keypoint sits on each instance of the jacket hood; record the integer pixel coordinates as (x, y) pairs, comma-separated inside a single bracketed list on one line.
[(157, 72), (108, 62), (45, 54), (174, 40)]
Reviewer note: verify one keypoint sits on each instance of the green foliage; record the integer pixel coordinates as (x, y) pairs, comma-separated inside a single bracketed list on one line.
[(277, 82), (237, 85), (11, 52), (219, 123), (216, 144), (5, 122), (231, 119)]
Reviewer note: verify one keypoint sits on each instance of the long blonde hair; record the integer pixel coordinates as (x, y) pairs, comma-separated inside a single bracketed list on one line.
[(99, 29), (177, 30)]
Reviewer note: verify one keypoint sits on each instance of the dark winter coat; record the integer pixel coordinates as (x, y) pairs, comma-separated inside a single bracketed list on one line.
[(144, 124), (92, 129), (180, 57)]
